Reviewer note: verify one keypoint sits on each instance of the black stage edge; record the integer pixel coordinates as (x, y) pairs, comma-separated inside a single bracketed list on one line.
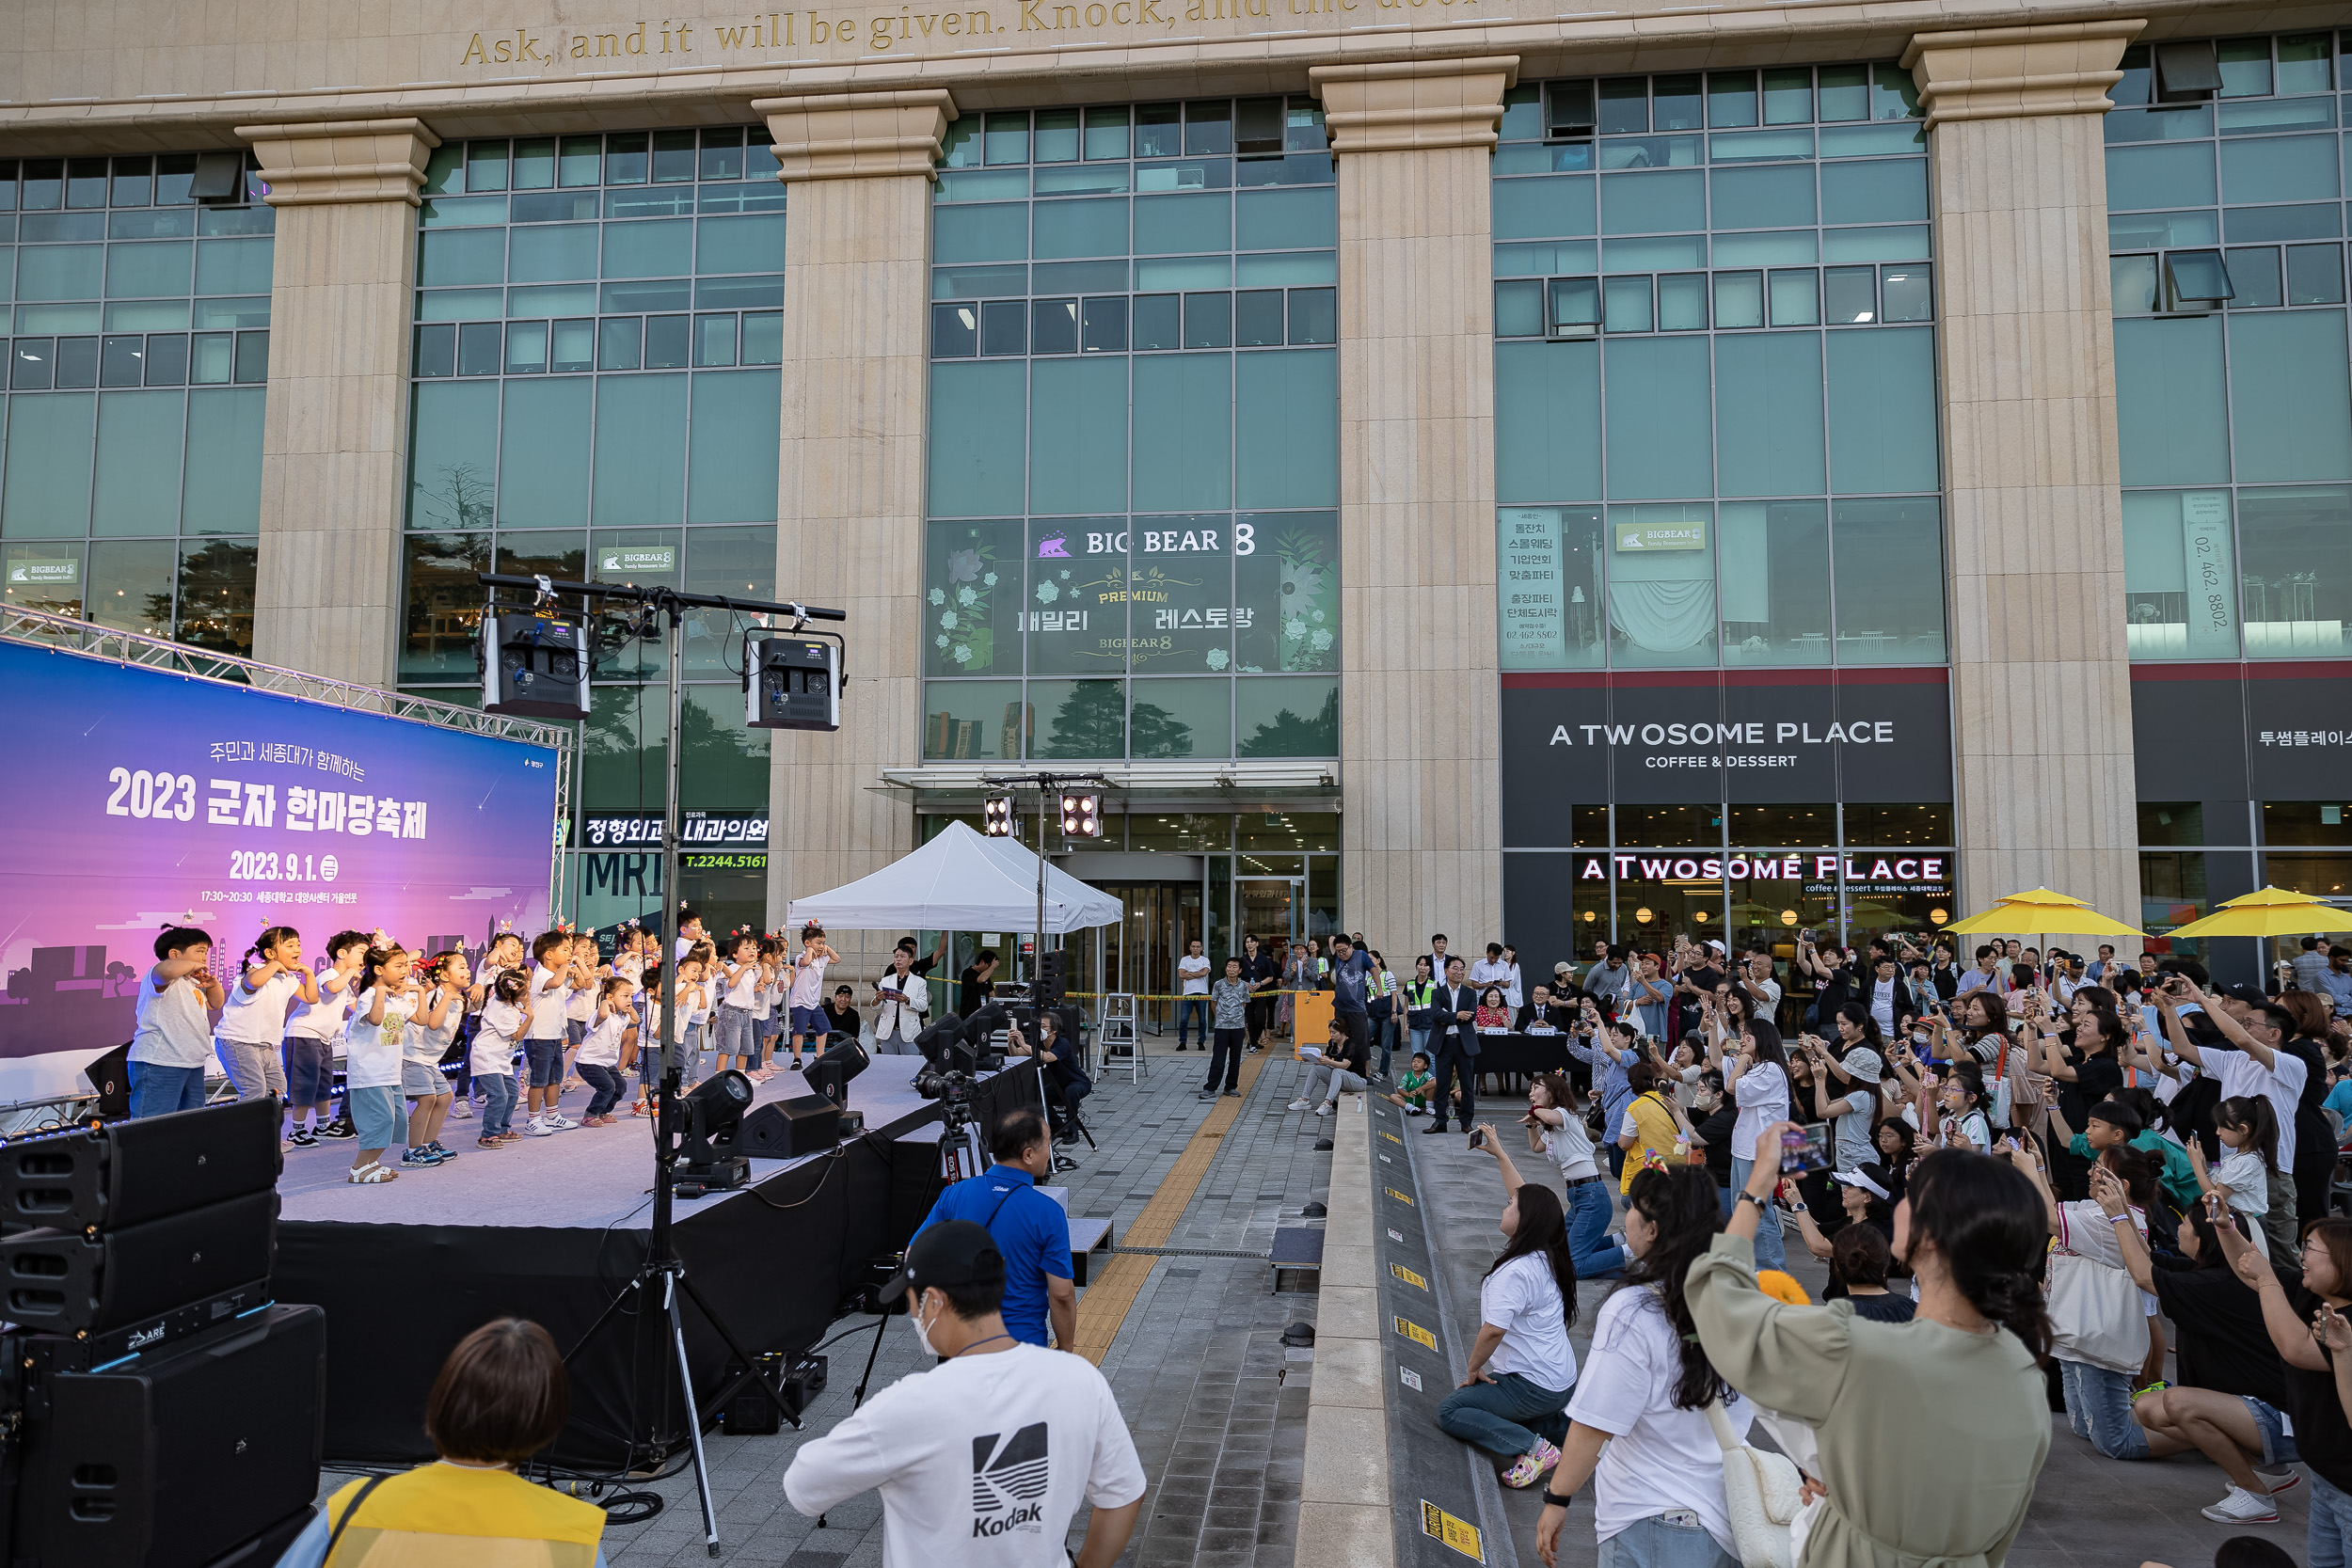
[(775, 1259)]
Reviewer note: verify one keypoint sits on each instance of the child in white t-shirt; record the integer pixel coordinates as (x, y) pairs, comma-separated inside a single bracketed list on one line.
[(543, 1047), (735, 975), (317, 1023), (421, 1080), (496, 1039), (581, 984), (604, 1055), (375, 1043)]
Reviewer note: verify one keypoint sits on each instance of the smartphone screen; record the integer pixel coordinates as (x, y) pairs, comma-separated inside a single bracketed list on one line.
[(1806, 1151)]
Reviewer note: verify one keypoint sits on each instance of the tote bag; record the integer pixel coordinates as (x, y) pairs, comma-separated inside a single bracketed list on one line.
[(2095, 1315)]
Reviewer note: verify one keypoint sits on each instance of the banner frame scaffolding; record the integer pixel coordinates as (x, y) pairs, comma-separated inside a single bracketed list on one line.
[(53, 633)]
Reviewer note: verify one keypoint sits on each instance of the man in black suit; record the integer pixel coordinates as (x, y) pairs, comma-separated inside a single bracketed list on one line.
[(1456, 1041)]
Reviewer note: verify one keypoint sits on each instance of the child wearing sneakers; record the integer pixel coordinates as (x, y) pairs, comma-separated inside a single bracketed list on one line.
[(430, 1035), (735, 976), (764, 1020), (253, 1020), (543, 1047), (682, 1036), (375, 1044), (582, 981), (310, 1034), (702, 964), (1413, 1090), (604, 1055), (505, 953), (504, 1018), (806, 998)]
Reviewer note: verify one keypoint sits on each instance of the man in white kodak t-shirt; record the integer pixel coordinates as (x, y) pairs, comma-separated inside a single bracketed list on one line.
[(984, 1459)]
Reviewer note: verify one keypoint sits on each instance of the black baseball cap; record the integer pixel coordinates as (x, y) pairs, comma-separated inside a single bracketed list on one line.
[(951, 1253)]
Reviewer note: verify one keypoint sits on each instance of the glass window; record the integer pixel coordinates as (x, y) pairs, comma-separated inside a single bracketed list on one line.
[(2296, 560), (1662, 586), (2172, 400), (2179, 575), (1657, 439), (1889, 581), (1775, 571), (1274, 717), (1547, 587), (2173, 822), (2287, 421)]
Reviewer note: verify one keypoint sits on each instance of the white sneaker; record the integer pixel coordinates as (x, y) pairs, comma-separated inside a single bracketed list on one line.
[(538, 1129), (1416, 1110), (1301, 1105), (558, 1122), (461, 1112), (2284, 1480), (1324, 1109), (2242, 1507)]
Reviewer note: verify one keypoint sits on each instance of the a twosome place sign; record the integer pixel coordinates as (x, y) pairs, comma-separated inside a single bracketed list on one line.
[(1858, 870)]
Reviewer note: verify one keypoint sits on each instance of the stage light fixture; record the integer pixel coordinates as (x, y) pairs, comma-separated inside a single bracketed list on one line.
[(533, 666), (1081, 814), (996, 816), (707, 1156), (830, 1072)]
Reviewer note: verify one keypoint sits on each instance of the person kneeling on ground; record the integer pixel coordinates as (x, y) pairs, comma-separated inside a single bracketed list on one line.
[(500, 1398), (1343, 1069), (1514, 1403), (983, 1459)]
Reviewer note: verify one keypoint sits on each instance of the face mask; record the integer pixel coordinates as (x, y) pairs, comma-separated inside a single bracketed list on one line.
[(921, 1338)]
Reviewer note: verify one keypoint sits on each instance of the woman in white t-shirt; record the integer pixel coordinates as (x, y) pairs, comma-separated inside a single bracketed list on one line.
[(1756, 1076), (1556, 1130), (1521, 1367), (1638, 1424)]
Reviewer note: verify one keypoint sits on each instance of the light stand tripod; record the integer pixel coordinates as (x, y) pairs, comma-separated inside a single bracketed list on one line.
[(663, 1275), (1047, 786)]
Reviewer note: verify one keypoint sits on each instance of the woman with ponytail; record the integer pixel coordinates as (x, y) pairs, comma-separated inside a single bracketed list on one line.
[(1638, 1425), (1899, 1489)]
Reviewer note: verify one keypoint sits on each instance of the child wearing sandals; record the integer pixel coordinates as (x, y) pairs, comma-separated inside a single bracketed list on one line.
[(764, 1001), (604, 1055), (373, 1048), (505, 1014)]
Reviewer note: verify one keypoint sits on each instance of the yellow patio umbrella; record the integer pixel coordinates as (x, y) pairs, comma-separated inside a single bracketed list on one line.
[(2273, 911), (2041, 911)]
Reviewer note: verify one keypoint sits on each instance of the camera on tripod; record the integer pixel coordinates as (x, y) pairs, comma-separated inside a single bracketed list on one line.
[(953, 1089)]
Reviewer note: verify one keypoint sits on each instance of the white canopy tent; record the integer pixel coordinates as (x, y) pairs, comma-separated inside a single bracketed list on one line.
[(959, 882)]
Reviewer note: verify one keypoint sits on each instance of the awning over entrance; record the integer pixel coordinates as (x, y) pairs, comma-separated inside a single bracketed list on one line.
[(959, 882)]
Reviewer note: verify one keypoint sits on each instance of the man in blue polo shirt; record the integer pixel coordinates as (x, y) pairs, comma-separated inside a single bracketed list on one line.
[(1030, 1230)]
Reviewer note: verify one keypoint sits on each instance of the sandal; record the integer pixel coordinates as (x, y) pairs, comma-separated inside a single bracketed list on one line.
[(493, 1141), (371, 1175)]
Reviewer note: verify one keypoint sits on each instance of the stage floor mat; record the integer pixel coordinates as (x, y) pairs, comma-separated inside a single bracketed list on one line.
[(590, 1177)]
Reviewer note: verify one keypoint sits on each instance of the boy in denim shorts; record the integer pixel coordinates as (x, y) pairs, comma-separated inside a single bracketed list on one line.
[(543, 1047)]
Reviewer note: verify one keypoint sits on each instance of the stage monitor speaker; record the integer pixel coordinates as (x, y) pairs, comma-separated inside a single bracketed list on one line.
[(781, 1129), (66, 1282), (110, 1076), (534, 667), (174, 1462), (791, 682), (1052, 978), (126, 1173)]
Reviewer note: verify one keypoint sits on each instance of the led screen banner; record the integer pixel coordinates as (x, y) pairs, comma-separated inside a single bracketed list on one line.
[(142, 797)]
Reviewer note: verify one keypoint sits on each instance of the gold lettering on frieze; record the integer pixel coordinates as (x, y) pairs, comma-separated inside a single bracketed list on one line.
[(757, 36)]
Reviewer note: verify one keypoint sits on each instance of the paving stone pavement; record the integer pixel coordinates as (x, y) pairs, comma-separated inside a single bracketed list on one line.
[(1217, 1405)]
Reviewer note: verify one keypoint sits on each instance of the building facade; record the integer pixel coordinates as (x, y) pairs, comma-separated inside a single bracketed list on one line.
[(1448, 465)]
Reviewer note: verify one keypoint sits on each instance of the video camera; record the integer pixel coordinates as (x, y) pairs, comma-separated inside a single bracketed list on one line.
[(949, 1065)]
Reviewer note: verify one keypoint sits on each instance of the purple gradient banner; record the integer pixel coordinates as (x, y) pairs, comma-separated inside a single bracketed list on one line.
[(137, 798)]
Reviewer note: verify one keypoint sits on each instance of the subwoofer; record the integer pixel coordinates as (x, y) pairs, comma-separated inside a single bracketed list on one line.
[(65, 1282), (128, 1172), (783, 1129)]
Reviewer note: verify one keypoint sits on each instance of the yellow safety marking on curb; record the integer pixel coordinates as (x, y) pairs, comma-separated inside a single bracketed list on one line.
[(1399, 1197), (1457, 1533), (1416, 1281), (1104, 1306), (1414, 1332)]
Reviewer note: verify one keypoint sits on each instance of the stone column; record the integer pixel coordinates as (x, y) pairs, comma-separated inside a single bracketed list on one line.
[(851, 474), (1420, 839), (335, 438), (2033, 514)]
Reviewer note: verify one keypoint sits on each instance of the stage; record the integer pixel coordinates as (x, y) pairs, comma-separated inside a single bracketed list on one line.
[(552, 1229)]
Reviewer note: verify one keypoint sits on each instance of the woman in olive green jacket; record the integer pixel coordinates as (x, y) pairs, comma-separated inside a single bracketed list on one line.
[(1931, 1432)]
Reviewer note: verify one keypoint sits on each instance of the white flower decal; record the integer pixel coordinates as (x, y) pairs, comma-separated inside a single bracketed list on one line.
[(963, 654), (939, 642), (946, 620), (1320, 641), (1047, 593), (938, 595), (1217, 658), (989, 580), (965, 597)]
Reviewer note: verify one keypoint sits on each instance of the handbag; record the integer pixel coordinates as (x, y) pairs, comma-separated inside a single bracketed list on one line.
[(2095, 1314), (1762, 1493)]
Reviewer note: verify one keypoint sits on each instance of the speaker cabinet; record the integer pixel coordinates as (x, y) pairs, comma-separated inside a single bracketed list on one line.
[(534, 667), (174, 1462), (129, 1172), (791, 682), (65, 1282), (783, 1129)]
